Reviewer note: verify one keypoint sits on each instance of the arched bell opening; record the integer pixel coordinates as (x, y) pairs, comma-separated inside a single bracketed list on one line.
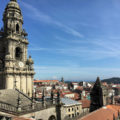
[(18, 53), (17, 28), (52, 117)]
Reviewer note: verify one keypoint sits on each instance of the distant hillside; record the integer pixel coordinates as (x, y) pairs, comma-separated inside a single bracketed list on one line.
[(115, 80)]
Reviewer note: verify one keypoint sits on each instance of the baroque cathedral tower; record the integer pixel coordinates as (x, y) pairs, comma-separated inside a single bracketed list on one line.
[(16, 70)]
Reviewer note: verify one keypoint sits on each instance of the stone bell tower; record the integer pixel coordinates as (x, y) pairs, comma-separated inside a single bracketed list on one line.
[(16, 70)]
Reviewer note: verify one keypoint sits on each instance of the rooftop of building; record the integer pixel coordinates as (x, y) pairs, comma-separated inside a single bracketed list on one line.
[(37, 81), (69, 102), (10, 97), (7, 115), (108, 112), (85, 103)]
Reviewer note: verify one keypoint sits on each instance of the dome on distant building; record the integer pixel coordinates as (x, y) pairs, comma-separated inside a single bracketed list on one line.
[(13, 10), (13, 3), (12, 18)]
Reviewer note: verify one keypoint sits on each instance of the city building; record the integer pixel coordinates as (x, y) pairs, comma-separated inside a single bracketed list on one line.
[(23, 98), (75, 85), (16, 70), (85, 105), (17, 73), (70, 108), (109, 112), (45, 82)]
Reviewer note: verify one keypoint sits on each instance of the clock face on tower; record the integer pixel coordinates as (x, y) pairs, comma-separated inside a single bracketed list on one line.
[(21, 64)]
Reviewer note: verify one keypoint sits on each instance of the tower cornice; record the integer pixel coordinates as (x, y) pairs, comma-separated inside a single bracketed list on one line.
[(22, 40)]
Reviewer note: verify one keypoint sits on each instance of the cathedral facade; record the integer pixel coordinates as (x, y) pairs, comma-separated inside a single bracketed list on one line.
[(16, 68)]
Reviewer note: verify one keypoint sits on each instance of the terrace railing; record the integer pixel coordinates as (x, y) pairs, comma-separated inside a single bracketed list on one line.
[(35, 106)]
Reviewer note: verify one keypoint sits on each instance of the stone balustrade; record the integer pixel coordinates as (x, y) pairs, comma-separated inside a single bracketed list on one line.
[(7, 107), (26, 109)]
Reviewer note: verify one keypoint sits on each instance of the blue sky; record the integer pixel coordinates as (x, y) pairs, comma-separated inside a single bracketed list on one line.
[(76, 39)]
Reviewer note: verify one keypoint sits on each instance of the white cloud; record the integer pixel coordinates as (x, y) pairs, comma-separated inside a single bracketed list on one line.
[(100, 49), (38, 49), (40, 16), (55, 77), (76, 73)]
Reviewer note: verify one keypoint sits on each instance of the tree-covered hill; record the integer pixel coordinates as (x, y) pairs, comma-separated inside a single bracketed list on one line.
[(115, 80)]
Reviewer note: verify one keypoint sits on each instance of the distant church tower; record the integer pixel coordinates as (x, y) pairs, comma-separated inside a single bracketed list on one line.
[(16, 70)]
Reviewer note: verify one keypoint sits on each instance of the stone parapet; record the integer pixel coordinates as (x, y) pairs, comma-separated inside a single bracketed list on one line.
[(18, 72), (17, 38)]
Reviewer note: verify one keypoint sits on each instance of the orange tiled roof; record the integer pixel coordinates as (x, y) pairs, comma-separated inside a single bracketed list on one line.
[(46, 81), (104, 113), (85, 103), (115, 107), (75, 83), (76, 96), (79, 88), (68, 93)]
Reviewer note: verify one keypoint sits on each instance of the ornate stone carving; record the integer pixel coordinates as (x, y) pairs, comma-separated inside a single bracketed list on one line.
[(15, 54)]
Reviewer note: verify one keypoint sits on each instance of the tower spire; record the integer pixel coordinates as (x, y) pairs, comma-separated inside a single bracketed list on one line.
[(13, 35), (96, 96)]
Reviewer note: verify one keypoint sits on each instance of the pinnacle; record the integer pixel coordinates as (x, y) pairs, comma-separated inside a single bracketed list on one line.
[(98, 81)]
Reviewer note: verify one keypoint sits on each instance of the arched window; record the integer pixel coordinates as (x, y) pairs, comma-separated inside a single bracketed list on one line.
[(18, 53), (17, 28), (52, 117)]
